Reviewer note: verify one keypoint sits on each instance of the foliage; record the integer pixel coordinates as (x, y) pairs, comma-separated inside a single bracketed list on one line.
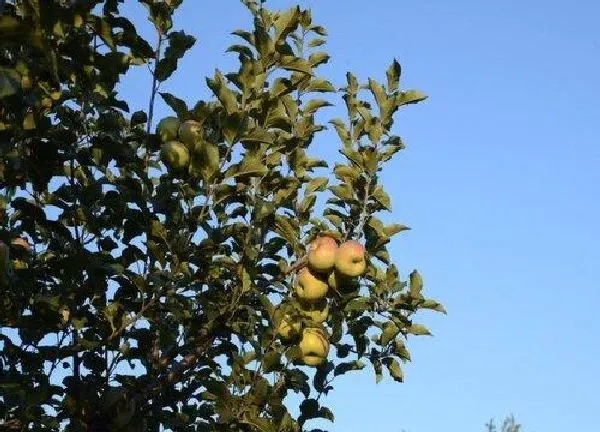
[(135, 293), (508, 425)]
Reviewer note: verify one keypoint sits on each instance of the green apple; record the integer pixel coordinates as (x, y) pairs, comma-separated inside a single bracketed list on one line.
[(309, 287), (175, 155), (350, 259), (314, 346), (321, 254), (168, 128), (190, 133)]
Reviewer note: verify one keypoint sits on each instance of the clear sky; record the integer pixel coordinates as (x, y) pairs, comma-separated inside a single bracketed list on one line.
[(500, 182)]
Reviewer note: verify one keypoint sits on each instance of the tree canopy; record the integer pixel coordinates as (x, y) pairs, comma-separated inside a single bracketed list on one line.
[(178, 276)]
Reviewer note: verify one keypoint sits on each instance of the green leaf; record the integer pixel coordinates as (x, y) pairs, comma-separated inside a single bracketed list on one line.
[(320, 85), (393, 76), (317, 184), (177, 105), (138, 117), (179, 43), (391, 230), (419, 330), (382, 198), (359, 304), (410, 97), (314, 104), (318, 58), (286, 23), (295, 64), (395, 370), (416, 284), (344, 367), (10, 82), (313, 43), (219, 87), (433, 305), (390, 331), (342, 131)]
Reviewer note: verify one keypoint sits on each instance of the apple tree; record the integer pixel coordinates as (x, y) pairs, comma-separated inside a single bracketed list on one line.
[(199, 272)]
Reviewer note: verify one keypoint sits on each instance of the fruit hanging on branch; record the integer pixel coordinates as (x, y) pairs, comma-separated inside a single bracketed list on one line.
[(310, 288), (168, 129), (314, 346), (350, 259), (175, 155), (321, 254)]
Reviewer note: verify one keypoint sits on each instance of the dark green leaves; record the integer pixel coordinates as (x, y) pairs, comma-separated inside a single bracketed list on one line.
[(178, 44)]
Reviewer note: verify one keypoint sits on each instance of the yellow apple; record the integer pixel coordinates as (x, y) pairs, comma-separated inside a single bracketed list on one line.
[(309, 287), (321, 254), (190, 133), (175, 155), (314, 346), (317, 312), (168, 128), (350, 259)]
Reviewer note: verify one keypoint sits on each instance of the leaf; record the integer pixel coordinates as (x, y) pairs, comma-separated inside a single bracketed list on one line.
[(382, 198), (395, 370), (390, 331), (313, 43), (295, 64), (314, 104), (419, 330), (317, 184), (391, 230), (393, 76), (320, 85), (416, 284), (10, 82), (219, 87), (410, 97), (179, 43), (344, 367), (177, 105), (433, 305), (343, 191), (286, 23), (359, 304), (342, 131), (318, 58), (138, 117)]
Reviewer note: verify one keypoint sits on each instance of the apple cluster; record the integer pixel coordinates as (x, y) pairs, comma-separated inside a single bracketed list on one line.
[(179, 140), (329, 267)]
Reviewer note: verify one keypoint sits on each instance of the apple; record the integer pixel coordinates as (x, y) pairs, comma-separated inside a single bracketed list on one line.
[(190, 133), (119, 407), (168, 129), (314, 346), (309, 287), (317, 312), (285, 324), (175, 155), (321, 254), (350, 259)]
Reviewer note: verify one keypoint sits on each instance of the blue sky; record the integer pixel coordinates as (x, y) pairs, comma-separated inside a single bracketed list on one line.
[(500, 183)]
